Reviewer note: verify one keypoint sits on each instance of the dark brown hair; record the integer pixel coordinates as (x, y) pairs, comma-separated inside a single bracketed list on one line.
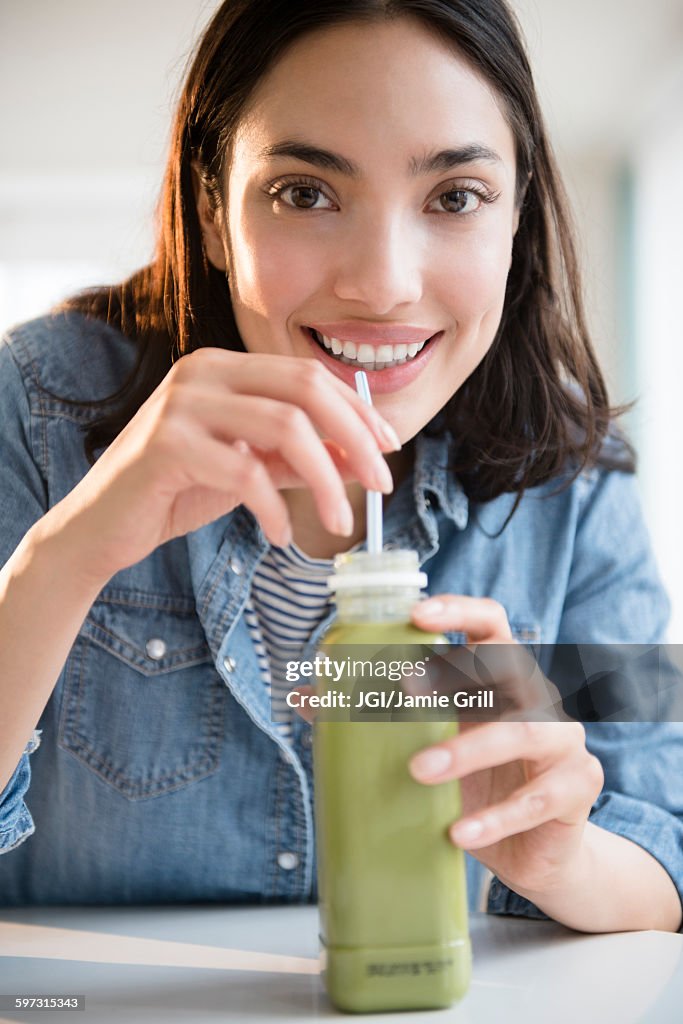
[(535, 405)]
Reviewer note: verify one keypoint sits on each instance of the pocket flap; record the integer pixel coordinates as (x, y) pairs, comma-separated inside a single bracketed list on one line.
[(151, 639)]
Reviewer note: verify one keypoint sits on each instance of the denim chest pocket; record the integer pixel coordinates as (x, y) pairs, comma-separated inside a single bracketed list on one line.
[(523, 631), (142, 703)]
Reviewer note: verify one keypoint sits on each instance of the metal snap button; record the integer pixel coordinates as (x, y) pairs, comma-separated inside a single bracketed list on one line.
[(155, 648), (229, 664), (236, 565), (287, 860)]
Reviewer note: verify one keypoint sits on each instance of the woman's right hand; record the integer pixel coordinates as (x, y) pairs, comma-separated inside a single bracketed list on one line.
[(226, 428)]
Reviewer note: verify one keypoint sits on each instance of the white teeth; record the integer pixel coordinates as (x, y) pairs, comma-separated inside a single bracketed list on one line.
[(374, 357)]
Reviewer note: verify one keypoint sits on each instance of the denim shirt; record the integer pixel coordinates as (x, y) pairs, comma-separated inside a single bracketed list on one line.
[(160, 776)]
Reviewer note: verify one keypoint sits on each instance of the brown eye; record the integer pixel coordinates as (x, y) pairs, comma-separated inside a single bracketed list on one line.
[(460, 201), (304, 197), (300, 194)]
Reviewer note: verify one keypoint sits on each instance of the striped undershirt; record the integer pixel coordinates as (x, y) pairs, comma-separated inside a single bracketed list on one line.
[(289, 597)]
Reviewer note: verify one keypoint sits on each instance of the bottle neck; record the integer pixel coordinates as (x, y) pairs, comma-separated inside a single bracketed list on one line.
[(385, 604)]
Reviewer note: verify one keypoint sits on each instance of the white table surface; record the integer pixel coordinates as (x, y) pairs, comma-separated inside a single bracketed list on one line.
[(253, 964)]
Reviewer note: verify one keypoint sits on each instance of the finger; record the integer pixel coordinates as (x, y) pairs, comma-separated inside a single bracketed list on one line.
[(330, 402), (495, 744), (564, 795), (269, 426), (330, 414), (223, 467), (480, 618), (284, 476)]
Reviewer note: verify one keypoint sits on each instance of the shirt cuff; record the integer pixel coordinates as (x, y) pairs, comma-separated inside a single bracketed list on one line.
[(16, 823), (653, 828), (504, 901)]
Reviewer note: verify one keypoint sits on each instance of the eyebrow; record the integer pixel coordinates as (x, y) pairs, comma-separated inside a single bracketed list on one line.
[(436, 161)]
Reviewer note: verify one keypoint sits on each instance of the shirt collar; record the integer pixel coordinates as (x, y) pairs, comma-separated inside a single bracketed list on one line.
[(223, 555), (433, 479)]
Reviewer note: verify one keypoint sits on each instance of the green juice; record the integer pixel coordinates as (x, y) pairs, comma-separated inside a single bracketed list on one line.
[(393, 901)]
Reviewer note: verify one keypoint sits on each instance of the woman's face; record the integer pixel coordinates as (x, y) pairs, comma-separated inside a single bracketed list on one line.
[(371, 200)]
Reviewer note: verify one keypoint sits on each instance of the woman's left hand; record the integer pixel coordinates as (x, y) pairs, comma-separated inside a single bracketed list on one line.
[(527, 786)]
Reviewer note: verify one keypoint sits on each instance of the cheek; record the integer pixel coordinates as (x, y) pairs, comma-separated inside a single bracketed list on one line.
[(473, 276), (272, 272)]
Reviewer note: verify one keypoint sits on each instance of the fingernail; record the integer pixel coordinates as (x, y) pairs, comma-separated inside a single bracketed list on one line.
[(344, 520), (464, 832), (388, 434), (430, 763), (431, 608), (383, 477)]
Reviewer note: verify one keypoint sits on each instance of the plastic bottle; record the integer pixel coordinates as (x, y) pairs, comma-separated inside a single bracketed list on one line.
[(393, 903)]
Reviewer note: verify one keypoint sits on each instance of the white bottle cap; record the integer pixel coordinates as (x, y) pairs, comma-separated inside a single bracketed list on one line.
[(370, 580)]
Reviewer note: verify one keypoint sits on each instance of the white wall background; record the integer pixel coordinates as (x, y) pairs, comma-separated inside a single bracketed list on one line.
[(87, 93), (610, 75)]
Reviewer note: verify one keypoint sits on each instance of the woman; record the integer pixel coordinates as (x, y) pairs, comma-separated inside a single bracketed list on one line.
[(358, 182)]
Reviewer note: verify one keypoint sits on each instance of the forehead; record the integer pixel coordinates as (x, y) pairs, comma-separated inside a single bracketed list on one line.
[(369, 86)]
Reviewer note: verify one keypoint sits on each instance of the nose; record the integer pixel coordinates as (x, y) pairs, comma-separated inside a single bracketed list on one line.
[(379, 264)]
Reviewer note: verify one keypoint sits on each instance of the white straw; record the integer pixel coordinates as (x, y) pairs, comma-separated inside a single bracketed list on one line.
[(373, 499)]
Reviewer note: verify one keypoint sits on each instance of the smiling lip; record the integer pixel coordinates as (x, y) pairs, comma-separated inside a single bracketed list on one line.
[(374, 334), (381, 381)]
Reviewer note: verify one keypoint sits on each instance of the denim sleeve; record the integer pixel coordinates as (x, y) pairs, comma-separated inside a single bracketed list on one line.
[(23, 486), (615, 596), (16, 823), (23, 500)]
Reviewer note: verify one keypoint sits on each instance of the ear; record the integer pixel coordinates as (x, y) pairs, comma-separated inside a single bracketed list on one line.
[(209, 222)]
